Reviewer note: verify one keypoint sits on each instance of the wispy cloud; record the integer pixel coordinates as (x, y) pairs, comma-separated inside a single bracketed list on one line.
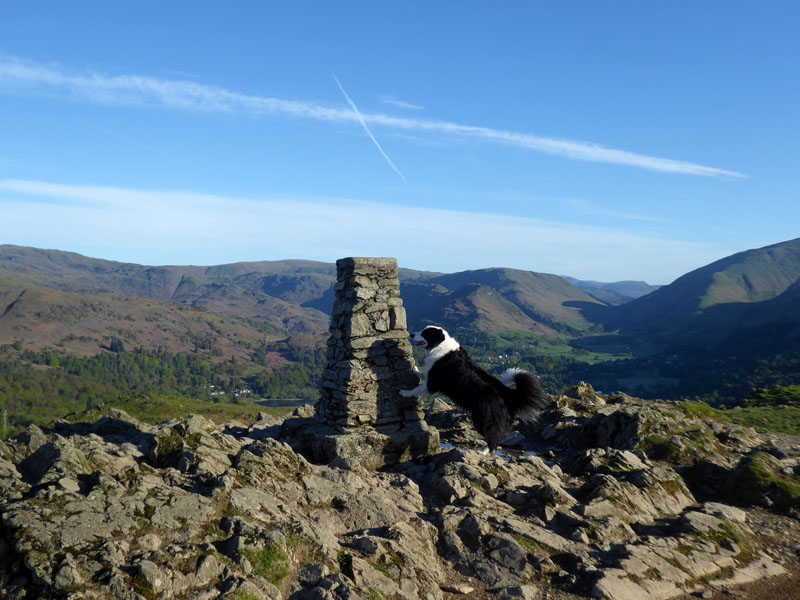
[(589, 209), (168, 227), (369, 133), (18, 76), (400, 103)]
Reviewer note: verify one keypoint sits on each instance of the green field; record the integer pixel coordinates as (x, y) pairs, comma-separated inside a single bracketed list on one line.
[(763, 412), (157, 409)]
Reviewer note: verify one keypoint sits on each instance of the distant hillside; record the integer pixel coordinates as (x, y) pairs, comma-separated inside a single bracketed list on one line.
[(83, 324), (493, 300), (615, 293), (723, 328), (295, 296), (720, 297), (239, 291)]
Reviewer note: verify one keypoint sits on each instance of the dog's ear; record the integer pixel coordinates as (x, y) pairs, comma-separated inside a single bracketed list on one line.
[(433, 336)]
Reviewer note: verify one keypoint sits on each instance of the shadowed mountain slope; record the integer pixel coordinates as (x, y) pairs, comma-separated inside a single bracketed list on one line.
[(749, 294), (497, 299)]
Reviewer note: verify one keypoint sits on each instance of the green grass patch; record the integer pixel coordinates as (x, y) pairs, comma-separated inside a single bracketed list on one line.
[(700, 409), (729, 532), (371, 593), (775, 396), (530, 545), (783, 490), (651, 573), (141, 587), (686, 549), (660, 448), (345, 562), (270, 563), (724, 573), (381, 568), (169, 446), (777, 419), (501, 474), (389, 564), (157, 409)]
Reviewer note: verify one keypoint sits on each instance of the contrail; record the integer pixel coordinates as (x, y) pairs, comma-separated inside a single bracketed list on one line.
[(369, 133), (18, 75), (124, 139)]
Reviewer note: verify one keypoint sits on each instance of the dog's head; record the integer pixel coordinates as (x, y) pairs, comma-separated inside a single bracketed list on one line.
[(433, 337)]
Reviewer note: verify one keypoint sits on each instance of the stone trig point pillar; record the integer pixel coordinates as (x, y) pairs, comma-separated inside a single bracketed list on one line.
[(369, 360)]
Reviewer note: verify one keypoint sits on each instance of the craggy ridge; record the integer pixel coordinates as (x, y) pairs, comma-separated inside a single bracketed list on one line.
[(605, 497)]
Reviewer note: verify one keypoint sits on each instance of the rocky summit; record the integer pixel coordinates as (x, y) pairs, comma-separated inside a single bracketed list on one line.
[(603, 497)]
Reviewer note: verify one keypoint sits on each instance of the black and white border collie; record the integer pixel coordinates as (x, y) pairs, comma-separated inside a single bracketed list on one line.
[(492, 403)]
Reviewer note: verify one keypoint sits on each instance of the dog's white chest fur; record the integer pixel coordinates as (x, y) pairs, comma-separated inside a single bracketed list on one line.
[(449, 345)]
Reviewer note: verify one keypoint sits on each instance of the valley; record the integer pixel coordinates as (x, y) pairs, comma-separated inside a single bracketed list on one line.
[(257, 330)]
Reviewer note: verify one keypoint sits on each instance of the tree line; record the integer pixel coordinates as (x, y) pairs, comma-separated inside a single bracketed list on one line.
[(37, 387)]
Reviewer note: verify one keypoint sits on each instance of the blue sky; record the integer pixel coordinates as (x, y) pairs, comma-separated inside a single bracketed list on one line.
[(602, 140)]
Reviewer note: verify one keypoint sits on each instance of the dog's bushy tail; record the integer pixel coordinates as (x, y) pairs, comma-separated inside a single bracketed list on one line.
[(526, 397)]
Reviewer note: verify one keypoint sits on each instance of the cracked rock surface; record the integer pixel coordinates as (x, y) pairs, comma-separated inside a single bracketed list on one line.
[(604, 497)]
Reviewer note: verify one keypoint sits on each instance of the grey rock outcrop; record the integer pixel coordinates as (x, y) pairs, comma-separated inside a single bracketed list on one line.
[(192, 509)]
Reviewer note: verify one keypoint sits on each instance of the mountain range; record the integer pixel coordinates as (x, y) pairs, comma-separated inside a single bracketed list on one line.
[(276, 298), (747, 302)]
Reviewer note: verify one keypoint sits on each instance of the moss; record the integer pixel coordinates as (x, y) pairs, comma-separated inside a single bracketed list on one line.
[(389, 564), (633, 578), (141, 587), (659, 448), (530, 545), (672, 486), (374, 594), (756, 476), (501, 474), (477, 486), (168, 448), (729, 532), (789, 489), (270, 563), (345, 562), (211, 529), (651, 573), (723, 573), (381, 568), (193, 440), (304, 550), (222, 505), (686, 549)]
